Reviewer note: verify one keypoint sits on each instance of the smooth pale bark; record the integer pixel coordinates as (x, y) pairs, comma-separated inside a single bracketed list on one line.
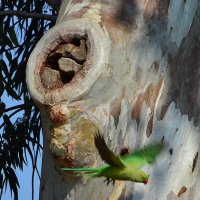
[(139, 83)]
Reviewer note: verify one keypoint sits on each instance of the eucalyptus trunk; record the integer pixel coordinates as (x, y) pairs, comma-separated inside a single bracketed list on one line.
[(129, 69)]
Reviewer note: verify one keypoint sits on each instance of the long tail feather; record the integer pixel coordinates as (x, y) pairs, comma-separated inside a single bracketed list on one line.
[(91, 172), (81, 169)]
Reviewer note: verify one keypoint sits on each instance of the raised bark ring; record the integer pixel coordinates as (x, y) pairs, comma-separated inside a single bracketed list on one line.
[(47, 57)]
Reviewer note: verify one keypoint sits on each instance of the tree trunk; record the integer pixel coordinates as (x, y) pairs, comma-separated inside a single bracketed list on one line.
[(129, 69)]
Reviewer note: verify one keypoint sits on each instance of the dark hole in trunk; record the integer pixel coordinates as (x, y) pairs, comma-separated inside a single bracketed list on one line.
[(66, 77), (52, 61), (76, 41), (64, 63)]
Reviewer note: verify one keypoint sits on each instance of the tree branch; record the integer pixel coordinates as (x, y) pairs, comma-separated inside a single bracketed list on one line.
[(55, 4), (14, 107), (28, 15)]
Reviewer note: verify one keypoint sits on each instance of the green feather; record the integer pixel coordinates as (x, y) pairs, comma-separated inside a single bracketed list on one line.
[(146, 155), (121, 168)]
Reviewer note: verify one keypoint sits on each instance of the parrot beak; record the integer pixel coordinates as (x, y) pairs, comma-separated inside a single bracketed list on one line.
[(145, 181)]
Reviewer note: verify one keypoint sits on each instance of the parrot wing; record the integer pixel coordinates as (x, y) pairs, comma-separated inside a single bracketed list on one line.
[(106, 154), (143, 156)]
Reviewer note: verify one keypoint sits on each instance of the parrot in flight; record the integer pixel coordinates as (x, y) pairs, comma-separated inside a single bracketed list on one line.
[(121, 168)]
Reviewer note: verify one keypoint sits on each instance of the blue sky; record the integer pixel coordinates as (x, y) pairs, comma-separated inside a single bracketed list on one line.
[(25, 176)]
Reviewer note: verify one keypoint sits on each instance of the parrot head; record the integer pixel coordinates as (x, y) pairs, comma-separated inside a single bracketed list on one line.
[(145, 181), (145, 178), (141, 177)]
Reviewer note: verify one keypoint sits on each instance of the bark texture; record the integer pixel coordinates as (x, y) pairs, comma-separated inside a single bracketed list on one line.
[(129, 68)]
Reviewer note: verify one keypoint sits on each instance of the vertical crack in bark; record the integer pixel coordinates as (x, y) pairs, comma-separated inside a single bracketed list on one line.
[(64, 63)]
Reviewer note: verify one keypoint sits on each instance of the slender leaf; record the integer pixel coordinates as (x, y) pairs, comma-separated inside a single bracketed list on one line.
[(8, 42), (12, 35)]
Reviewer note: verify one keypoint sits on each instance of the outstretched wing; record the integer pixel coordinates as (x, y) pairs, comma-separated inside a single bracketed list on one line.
[(106, 154), (146, 155)]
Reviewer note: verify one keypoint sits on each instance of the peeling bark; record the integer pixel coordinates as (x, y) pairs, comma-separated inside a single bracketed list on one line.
[(129, 69)]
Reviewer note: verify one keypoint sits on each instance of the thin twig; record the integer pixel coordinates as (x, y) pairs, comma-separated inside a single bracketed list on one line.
[(14, 107), (28, 15), (38, 173)]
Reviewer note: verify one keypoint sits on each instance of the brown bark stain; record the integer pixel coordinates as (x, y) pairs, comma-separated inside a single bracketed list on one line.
[(155, 9), (192, 193), (164, 109), (149, 97), (115, 109), (58, 114), (183, 190), (184, 72), (195, 161), (150, 125), (115, 106)]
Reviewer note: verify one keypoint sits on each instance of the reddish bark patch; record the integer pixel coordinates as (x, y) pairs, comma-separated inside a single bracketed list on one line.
[(183, 190), (58, 114), (115, 109), (149, 126), (70, 152), (149, 97), (163, 111)]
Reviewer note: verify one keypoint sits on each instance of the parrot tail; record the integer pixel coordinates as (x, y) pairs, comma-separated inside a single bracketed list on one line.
[(91, 172)]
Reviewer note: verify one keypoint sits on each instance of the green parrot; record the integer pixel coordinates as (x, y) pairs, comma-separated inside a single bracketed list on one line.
[(121, 168)]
